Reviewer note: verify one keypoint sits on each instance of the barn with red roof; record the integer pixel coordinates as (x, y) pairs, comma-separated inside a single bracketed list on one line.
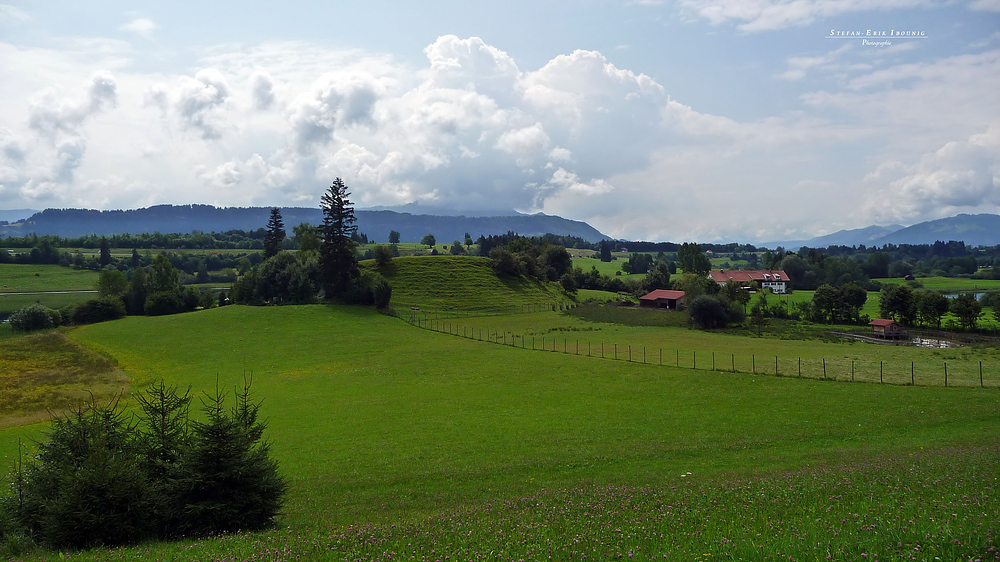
[(662, 298)]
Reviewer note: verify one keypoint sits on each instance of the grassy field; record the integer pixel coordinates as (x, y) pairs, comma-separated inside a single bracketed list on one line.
[(423, 440), (606, 267), (948, 284), (407, 443), (19, 278), (667, 333), (462, 283)]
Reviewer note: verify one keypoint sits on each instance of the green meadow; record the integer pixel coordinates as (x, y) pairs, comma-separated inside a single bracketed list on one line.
[(17, 278), (948, 284), (401, 442)]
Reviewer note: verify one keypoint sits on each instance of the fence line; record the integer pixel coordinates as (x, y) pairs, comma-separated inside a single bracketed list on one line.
[(824, 370)]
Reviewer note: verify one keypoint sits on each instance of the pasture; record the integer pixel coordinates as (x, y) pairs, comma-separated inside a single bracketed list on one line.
[(19, 278), (408, 443), (610, 268), (49, 280), (947, 284), (421, 440)]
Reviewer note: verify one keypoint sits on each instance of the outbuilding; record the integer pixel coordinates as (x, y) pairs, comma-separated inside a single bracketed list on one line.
[(888, 329), (662, 298)]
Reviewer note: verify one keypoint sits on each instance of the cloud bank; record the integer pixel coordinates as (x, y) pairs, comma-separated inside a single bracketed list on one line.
[(470, 130)]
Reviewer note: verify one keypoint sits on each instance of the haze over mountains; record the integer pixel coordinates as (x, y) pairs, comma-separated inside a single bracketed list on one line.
[(206, 218), (974, 230)]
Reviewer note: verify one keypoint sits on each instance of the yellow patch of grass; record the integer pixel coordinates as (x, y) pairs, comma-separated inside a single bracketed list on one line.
[(43, 374)]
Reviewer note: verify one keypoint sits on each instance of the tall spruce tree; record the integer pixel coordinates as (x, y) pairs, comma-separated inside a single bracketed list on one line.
[(338, 259), (275, 234), (105, 256)]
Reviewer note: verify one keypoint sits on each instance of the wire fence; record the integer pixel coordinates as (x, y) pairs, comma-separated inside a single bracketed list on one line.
[(965, 373), (403, 310)]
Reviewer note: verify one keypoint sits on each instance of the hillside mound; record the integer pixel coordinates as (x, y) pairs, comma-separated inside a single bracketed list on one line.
[(463, 283)]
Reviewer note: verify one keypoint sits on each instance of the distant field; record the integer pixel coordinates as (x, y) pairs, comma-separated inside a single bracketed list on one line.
[(689, 347), (948, 284), (16, 278), (607, 268), (19, 278), (11, 303)]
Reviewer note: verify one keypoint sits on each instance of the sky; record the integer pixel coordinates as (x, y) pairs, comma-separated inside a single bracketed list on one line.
[(679, 120)]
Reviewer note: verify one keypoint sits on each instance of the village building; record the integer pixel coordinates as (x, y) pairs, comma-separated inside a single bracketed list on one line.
[(888, 329), (662, 298), (775, 280)]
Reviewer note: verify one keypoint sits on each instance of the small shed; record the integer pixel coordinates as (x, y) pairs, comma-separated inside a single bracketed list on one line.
[(662, 298), (889, 329)]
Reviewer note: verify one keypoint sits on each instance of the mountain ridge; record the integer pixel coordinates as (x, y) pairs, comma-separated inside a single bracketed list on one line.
[(376, 224)]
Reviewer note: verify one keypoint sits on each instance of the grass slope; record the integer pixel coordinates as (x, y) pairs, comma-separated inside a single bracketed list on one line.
[(378, 424), (371, 416), (462, 283)]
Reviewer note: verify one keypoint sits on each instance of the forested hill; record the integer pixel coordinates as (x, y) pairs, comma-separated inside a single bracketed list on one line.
[(206, 218)]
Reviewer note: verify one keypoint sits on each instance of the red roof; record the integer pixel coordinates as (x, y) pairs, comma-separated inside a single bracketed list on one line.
[(747, 275), (662, 294), (882, 322)]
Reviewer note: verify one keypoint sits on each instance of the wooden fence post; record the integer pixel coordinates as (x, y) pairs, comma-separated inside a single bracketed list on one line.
[(980, 374), (677, 358), (880, 379), (694, 359), (946, 374), (753, 363), (800, 367), (912, 382), (824, 368), (713, 360)]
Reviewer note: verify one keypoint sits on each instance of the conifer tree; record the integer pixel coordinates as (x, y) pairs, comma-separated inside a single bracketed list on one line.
[(275, 234), (231, 481), (105, 257), (338, 259)]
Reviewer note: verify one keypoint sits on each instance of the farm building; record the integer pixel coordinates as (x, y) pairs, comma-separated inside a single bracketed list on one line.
[(662, 298), (889, 329), (775, 280)]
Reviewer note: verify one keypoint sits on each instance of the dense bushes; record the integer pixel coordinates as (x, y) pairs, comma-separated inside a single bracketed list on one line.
[(99, 310), (35, 317), (103, 479), (709, 312)]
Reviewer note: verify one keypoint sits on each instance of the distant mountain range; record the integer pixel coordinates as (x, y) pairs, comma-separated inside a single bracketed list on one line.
[(974, 230), (15, 215), (206, 218)]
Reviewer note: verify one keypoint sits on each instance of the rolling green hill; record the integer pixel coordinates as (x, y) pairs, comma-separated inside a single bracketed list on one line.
[(462, 283)]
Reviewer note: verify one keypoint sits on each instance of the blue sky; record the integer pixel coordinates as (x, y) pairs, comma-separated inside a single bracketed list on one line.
[(708, 120)]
